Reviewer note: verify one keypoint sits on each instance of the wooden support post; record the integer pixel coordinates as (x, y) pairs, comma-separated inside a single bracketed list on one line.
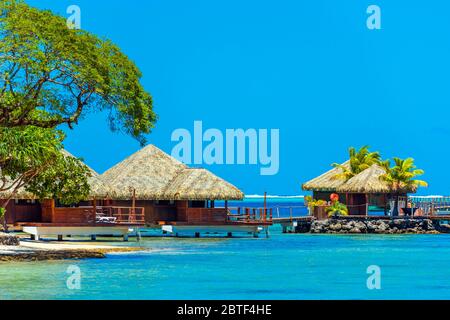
[(367, 205), (94, 208), (138, 234), (265, 204), (132, 217)]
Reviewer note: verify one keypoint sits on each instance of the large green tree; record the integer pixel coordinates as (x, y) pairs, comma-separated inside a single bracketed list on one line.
[(52, 75), (31, 160)]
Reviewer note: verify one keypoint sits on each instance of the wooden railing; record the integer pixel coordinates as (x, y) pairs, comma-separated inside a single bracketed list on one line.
[(250, 215), (99, 215), (121, 215)]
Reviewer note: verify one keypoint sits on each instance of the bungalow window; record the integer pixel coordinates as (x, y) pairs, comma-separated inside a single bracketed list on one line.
[(58, 204), (21, 202), (164, 202), (197, 204)]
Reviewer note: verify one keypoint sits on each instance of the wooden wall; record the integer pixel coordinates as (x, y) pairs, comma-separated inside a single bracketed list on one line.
[(48, 211), (73, 215), (23, 213), (179, 211), (182, 207), (153, 212), (206, 215)]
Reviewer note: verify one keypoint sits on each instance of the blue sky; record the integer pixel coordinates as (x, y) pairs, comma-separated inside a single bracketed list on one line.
[(309, 68)]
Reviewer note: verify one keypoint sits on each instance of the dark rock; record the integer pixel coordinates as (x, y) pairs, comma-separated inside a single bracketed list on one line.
[(9, 240)]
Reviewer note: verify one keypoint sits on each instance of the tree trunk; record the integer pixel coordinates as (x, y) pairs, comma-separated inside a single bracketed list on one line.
[(5, 222)]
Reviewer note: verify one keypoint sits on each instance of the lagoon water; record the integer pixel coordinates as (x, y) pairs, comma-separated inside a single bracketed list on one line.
[(290, 266)]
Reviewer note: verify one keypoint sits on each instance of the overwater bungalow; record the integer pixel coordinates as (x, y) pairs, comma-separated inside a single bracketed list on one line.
[(176, 197), (148, 189), (360, 193)]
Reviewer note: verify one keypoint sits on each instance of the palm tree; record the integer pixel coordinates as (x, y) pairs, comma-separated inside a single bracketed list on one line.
[(402, 177), (359, 161)]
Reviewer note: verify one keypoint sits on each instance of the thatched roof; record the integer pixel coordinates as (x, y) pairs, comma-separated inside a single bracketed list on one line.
[(326, 181), (155, 175), (98, 188), (194, 184), (369, 181)]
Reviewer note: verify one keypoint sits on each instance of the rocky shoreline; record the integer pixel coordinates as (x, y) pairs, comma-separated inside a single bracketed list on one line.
[(51, 255), (369, 226), (9, 240), (40, 251)]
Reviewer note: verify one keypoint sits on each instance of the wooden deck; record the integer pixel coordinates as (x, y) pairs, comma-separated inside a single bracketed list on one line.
[(91, 216), (43, 224)]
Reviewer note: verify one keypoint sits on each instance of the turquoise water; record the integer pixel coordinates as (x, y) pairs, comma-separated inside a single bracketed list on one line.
[(282, 267), (291, 266)]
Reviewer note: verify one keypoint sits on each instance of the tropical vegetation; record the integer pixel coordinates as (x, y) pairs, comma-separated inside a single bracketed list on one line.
[(50, 76), (31, 159), (337, 209), (359, 160), (402, 176), (313, 203)]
